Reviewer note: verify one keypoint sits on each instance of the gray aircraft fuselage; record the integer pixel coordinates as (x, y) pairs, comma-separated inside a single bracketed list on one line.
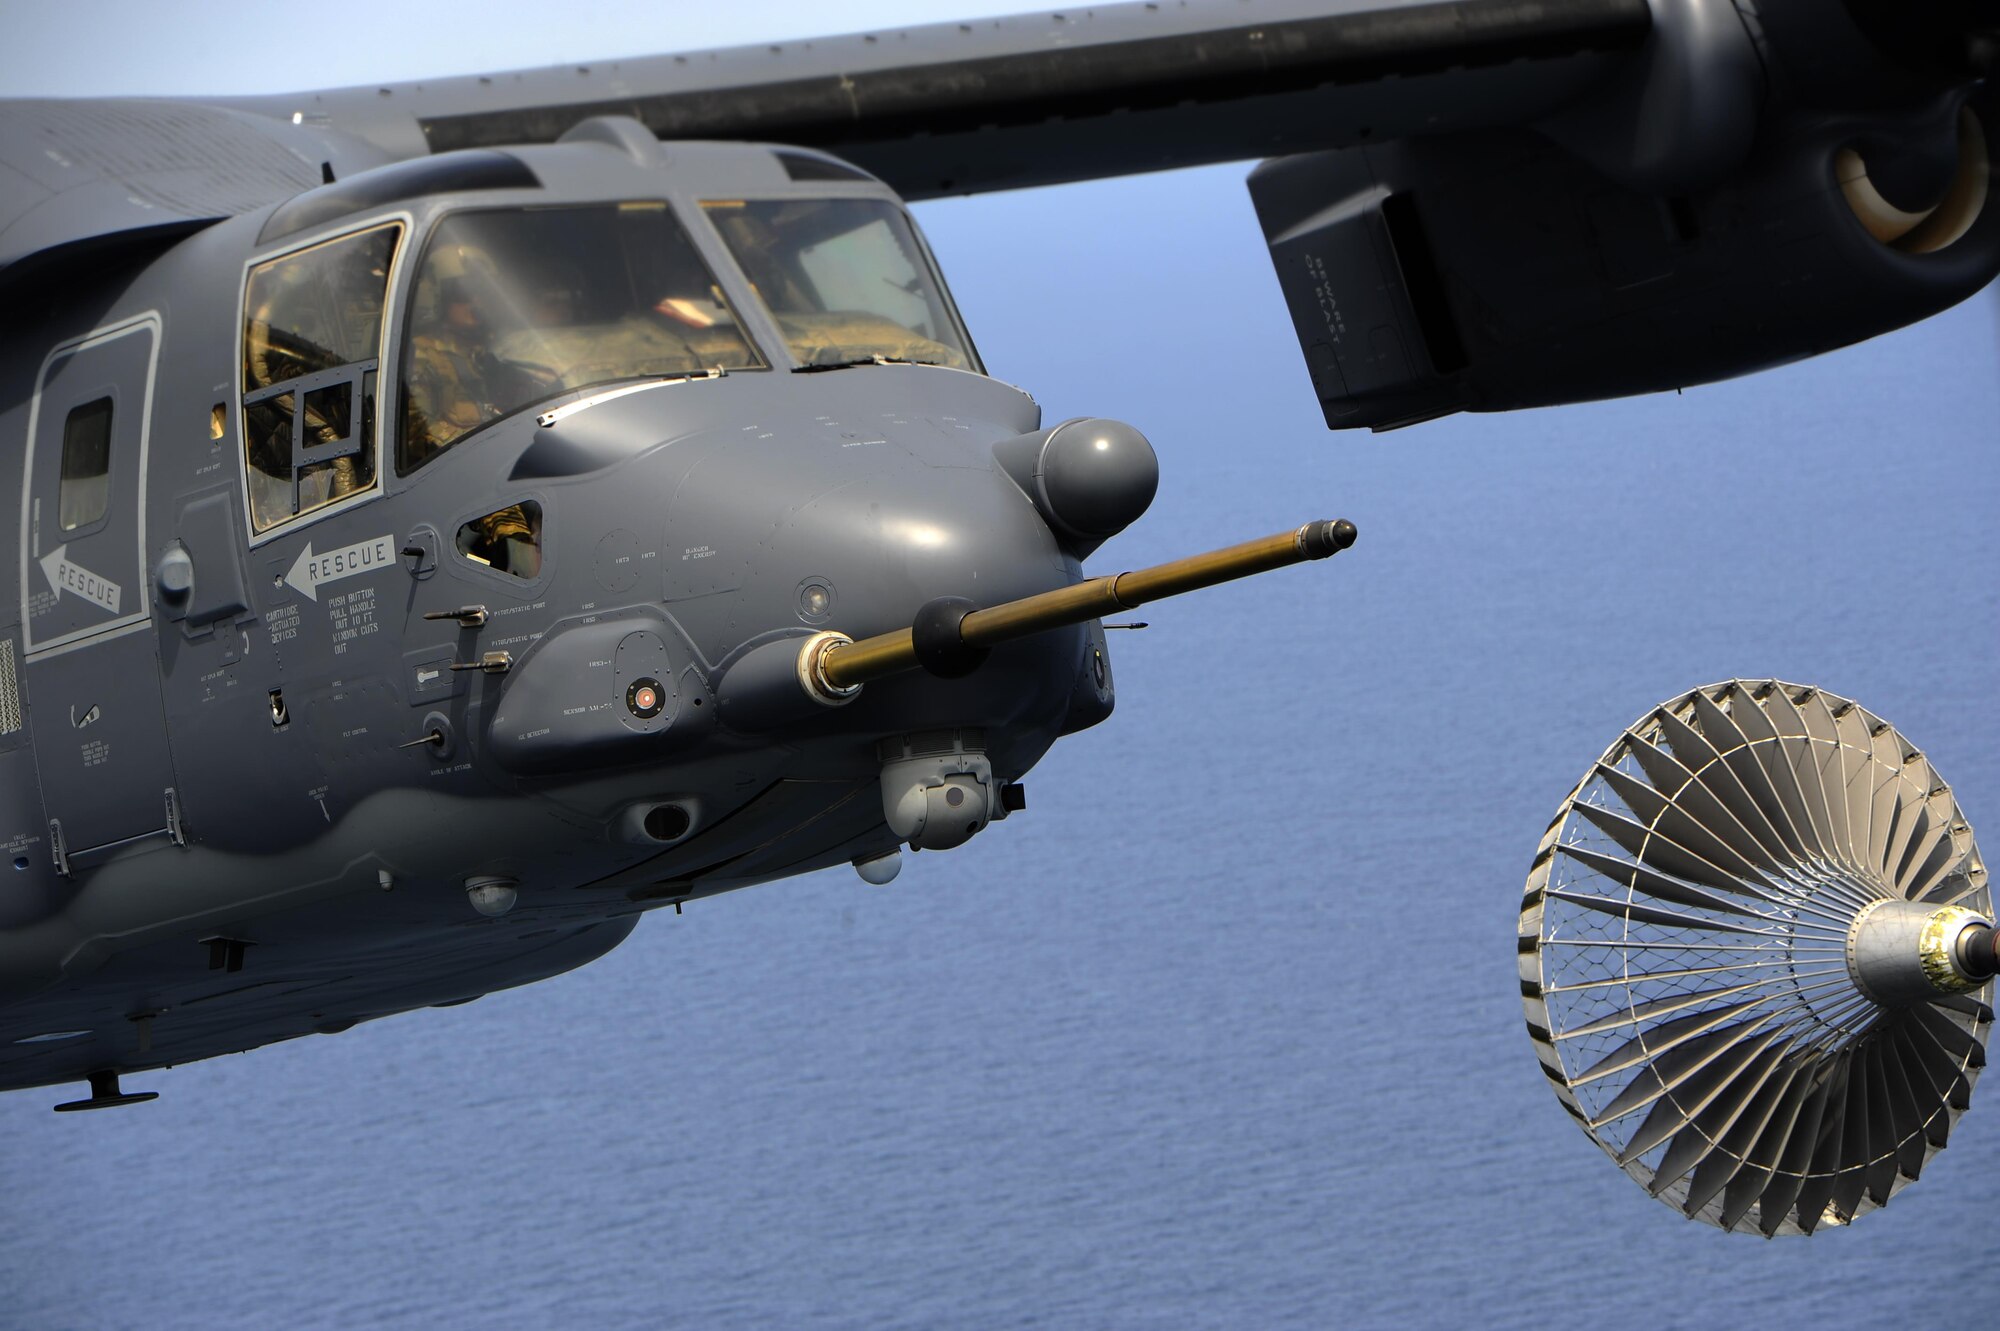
[(242, 792), (310, 722)]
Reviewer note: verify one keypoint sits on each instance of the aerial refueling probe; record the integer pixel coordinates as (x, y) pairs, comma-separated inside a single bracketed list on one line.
[(951, 636)]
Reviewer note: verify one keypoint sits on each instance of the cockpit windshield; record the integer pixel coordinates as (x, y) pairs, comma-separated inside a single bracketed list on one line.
[(514, 305), (844, 279)]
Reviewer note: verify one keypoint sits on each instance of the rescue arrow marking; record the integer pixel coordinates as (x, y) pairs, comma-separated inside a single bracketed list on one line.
[(310, 570), (79, 581)]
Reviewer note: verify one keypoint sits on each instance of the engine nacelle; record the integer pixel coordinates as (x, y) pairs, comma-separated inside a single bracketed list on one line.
[(1492, 271)]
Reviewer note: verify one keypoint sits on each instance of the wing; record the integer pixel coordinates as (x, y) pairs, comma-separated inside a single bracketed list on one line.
[(80, 177), (959, 108), (1470, 204)]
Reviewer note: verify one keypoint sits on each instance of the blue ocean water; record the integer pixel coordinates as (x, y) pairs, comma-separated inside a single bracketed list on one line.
[(1224, 1030)]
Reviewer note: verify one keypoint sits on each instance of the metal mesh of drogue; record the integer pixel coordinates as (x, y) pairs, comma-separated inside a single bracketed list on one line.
[(10, 690), (1683, 964)]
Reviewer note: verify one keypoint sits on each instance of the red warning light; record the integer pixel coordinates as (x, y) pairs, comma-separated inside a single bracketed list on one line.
[(645, 699)]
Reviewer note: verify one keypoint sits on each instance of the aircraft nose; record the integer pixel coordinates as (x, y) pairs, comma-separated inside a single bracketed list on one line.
[(854, 539)]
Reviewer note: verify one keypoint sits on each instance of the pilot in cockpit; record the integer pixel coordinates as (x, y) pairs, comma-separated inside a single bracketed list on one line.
[(455, 381)]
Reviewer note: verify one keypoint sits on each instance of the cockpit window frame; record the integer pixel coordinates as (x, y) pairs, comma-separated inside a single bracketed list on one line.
[(838, 190), (447, 173), (751, 321), (387, 346)]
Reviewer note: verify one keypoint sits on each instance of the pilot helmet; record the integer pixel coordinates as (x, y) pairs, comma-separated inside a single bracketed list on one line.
[(458, 273)]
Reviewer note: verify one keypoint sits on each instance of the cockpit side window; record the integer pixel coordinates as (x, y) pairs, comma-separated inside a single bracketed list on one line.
[(312, 342), (516, 305), (844, 278)]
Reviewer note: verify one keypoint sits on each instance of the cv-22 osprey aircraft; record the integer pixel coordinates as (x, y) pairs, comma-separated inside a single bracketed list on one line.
[(458, 517)]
